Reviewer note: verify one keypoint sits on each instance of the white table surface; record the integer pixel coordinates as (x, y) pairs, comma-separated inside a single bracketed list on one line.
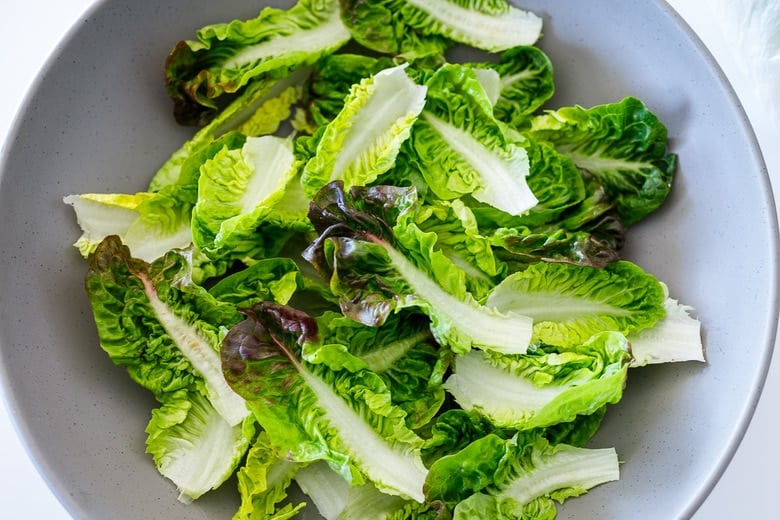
[(30, 31)]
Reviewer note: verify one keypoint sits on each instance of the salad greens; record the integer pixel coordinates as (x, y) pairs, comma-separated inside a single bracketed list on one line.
[(386, 278)]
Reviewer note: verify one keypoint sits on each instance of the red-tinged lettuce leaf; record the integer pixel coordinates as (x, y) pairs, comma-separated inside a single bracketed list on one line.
[(165, 331), (359, 253), (312, 412)]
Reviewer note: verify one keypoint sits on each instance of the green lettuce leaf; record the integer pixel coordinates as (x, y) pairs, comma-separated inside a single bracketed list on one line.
[(677, 337), (258, 110), (153, 223), (378, 25), (462, 149), (263, 484), (459, 238), (332, 79), (249, 202), (517, 478), (623, 145), (401, 352), (270, 279), (525, 83), (569, 303), (193, 445), (164, 330), (227, 56), (492, 25), (363, 140), (543, 387), (336, 499), (102, 214), (150, 224)]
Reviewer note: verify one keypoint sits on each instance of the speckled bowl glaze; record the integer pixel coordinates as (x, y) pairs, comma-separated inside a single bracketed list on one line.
[(99, 120)]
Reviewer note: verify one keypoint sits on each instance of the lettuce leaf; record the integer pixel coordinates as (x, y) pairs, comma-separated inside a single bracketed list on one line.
[(532, 475), (623, 145), (258, 110), (363, 140), (569, 303), (249, 201), (332, 79), (406, 26), (543, 387), (377, 25), (677, 337), (311, 412), (525, 83), (463, 150), (359, 255), (227, 56), (401, 352), (263, 484), (459, 238), (270, 279), (166, 332), (193, 445)]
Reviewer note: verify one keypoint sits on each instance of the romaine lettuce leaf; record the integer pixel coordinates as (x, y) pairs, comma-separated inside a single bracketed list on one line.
[(193, 445), (569, 303), (263, 484), (227, 56), (463, 150), (247, 207), (359, 254), (258, 110), (102, 214), (492, 25), (532, 476), (401, 352), (377, 25), (270, 279), (459, 238), (677, 337), (543, 387), (525, 83), (623, 145), (332, 79), (163, 329), (343, 417), (153, 223), (363, 140), (515, 477), (166, 332)]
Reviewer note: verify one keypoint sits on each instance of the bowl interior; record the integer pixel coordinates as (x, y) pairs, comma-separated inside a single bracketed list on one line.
[(99, 120)]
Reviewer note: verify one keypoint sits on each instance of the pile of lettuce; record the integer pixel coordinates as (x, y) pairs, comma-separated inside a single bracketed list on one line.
[(384, 277)]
